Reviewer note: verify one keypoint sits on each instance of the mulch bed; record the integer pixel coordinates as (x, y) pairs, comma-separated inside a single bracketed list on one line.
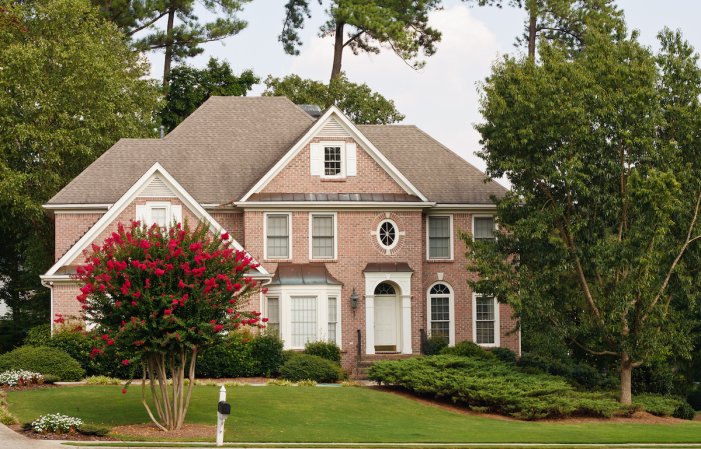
[(188, 432), (27, 387)]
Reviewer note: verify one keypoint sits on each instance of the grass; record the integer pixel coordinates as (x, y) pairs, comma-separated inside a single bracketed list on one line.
[(342, 415)]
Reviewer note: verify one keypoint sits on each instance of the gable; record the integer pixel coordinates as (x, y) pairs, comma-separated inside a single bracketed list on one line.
[(333, 132), (157, 189), (362, 174)]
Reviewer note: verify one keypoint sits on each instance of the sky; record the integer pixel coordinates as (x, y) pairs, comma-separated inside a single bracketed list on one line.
[(443, 97)]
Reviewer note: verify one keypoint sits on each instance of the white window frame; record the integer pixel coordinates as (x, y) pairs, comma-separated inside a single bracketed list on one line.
[(289, 236), (284, 293), (492, 216), (451, 311), (396, 234), (497, 323), (452, 239), (333, 216), (337, 335), (342, 173), (266, 309), (150, 205)]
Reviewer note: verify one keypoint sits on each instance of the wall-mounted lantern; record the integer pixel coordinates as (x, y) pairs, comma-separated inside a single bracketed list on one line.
[(354, 299)]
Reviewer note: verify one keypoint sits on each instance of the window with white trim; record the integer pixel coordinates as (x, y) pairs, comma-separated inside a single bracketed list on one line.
[(485, 320), (273, 325), (159, 215), (439, 237), (439, 298), (387, 234), (303, 320), (277, 239), (332, 160), (333, 318), (483, 228), (323, 238)]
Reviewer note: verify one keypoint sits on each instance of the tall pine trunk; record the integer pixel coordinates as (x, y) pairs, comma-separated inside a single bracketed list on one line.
[(337, 51), (626, 396), (532, 29), (169, 48)]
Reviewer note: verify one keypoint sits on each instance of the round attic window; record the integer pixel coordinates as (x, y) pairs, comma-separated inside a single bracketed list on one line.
[(387, 234)]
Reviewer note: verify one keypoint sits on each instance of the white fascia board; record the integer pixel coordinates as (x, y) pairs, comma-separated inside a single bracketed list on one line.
[(333, 204), (122, 203), (356, 134), (442, 207), (95, 206)]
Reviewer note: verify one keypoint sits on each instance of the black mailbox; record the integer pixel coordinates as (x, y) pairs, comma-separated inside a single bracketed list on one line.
[(224, 408)]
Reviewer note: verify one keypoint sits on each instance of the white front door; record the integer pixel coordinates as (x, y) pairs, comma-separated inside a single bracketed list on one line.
[(386, 323)]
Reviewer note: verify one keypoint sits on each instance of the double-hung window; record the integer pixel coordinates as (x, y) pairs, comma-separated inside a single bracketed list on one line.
[(439, 302), (486, 320), (323, 241), (333, 318), (277, 239), (332, 161), (439, 237), (274, 315), (483, 228)]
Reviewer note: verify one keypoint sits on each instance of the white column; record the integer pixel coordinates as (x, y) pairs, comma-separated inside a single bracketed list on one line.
[(369, 324), (406, 324)]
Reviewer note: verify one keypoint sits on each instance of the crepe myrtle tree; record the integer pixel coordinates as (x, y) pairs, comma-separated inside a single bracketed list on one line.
[(160, 295)]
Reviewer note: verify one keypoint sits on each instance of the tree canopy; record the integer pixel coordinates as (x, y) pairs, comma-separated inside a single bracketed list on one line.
[(357, 101), (364, 26), (190, 87), (184, 32), (600, 232), (70, 87)]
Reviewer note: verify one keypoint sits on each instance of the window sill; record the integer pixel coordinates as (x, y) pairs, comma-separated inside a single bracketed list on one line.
[(339, 179), (440, 260), (276, 260), (323, 260)]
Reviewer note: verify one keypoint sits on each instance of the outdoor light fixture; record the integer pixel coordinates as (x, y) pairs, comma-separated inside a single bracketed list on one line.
[(354, 299)]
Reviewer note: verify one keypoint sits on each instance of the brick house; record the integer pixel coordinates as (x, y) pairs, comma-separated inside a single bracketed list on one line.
[(356, 227)]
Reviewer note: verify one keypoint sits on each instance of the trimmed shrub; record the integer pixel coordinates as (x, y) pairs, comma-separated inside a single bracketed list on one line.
[(506, 355), (310, 367), (684, 411), (324, 349), (266, 349), (38, 335), (579, 374), (90, 429), (232, 357), (468, 349), (44, 360), (494, 386), (434, 345)]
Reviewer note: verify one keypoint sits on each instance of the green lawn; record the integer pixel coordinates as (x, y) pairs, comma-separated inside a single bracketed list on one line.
[(316, 414)]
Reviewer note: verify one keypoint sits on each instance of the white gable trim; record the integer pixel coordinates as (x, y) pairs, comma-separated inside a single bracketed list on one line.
[(334, 112), (125, 200)]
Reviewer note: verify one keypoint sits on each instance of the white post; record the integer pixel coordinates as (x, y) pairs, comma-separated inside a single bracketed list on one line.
[(221, 418)]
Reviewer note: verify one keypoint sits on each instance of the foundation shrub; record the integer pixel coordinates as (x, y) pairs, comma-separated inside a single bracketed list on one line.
[(43, 360), (506, 355), (468, 349), (266, 349), (434, 345), (324, 349), (310, 367), (232, 357)]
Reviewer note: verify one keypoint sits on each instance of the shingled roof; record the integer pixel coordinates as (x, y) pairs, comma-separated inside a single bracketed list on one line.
[(222, 149)]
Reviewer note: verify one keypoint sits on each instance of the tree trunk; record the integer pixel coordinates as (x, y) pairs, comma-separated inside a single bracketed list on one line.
[(532, 29), (169, 48), (337, 51), (626, 379)]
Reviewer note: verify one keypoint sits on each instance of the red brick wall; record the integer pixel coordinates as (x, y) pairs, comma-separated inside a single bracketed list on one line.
[(296, 176), (63, 300), (70, 227)]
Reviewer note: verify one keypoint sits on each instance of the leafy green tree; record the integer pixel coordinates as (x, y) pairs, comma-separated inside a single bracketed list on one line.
[(563, 21), (366, 26), (179, 39), (600, 232), (70, 86), (357, 101), (190, 87)]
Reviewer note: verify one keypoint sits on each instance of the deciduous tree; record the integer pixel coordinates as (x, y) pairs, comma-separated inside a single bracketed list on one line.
[(600, 232), (357, 101)]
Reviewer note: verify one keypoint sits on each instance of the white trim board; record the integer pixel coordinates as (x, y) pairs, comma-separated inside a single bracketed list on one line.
[(125, 200), (333, 111)]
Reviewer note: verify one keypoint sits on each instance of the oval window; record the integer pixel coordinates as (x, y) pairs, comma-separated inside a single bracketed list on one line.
[(387, 234)]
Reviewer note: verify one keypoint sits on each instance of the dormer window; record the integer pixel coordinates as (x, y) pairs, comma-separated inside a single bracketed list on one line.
[(332, 161), (158, 216), (160, 213)]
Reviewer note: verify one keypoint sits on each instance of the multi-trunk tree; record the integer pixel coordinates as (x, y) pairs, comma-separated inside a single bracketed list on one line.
[(364, 26), (160, 296), (599, 236)]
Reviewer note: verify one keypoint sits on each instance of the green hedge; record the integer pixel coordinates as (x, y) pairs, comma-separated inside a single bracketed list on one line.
[(580, 374), (324, 349), (242, 354), (310, 367), (467, 349), (45, 360)]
